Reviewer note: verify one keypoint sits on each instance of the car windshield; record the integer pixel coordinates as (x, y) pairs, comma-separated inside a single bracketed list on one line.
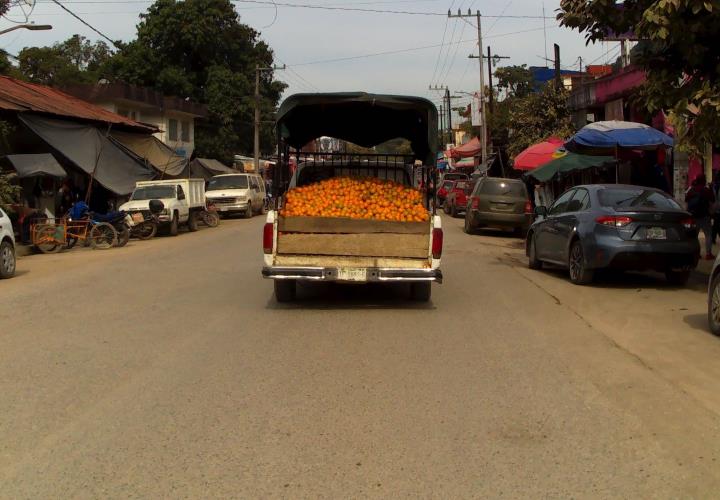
[(503, 188), (636, 198), (153, 192), (228, 182)]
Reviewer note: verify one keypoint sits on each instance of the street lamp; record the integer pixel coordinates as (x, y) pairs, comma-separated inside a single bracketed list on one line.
[(31, 27)]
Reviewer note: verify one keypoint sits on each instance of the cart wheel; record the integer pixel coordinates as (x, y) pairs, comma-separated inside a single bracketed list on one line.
[(103, 236), (70, 242), (211, 219), (45, 240)]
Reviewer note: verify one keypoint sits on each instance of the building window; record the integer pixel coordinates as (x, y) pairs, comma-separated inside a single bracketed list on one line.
[(185, 131), (127, 113), (172, 129)]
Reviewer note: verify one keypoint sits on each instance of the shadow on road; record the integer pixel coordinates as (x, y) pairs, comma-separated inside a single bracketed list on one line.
[(332, 296), (697, 322)]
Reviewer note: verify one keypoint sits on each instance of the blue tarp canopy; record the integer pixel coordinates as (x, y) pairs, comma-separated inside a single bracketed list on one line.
[(608, 135)]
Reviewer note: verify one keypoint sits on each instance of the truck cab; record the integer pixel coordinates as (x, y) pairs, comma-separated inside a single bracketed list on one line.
[(343, 249)]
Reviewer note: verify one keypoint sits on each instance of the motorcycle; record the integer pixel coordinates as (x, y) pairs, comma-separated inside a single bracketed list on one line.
[(146, 225)]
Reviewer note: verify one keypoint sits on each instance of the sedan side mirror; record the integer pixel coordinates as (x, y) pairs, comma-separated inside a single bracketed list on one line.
[(541, 211)]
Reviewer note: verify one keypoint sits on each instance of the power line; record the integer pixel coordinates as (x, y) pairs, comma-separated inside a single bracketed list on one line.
[(437, 61), (113, 42), (411, 49)]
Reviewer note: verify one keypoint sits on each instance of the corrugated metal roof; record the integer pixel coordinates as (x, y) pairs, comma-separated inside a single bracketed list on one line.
[(16, 95)]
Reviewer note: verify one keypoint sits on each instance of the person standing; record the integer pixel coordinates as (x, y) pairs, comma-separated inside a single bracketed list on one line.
[(700, 200)]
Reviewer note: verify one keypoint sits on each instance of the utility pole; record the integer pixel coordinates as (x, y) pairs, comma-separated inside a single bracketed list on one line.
[(258, 69), (449, 116), (442, 123), (558, 75), (490, 82), (446, 107), (483, 134)]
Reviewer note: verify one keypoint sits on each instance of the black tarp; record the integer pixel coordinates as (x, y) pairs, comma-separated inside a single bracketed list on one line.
[(363, 119), (148, 147), (34, 165), (89, 149), (206, 168)]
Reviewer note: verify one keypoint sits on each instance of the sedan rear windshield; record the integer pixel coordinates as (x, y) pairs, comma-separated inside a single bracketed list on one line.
[(503, 188), (636, 198)]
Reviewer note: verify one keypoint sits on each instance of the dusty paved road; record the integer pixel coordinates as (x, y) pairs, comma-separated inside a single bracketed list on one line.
[(166, 370)]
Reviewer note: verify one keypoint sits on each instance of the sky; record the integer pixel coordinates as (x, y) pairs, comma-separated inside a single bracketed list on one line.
[(346, 50)]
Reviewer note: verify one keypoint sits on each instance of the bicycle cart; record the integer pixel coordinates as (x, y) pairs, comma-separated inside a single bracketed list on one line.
[(53, 235)]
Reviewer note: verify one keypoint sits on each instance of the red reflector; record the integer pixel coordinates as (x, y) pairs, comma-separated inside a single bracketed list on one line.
[(475, 202), (268, 237), (528, 207), (437, 243), (688, 223), (609, 220)]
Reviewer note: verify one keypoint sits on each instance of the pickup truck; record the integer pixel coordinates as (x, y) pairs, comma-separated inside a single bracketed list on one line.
[(184, 199), (343, 249)]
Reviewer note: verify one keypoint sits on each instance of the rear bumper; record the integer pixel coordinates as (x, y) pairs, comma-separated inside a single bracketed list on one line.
[(331, 274), (496, 219), (616, 253)]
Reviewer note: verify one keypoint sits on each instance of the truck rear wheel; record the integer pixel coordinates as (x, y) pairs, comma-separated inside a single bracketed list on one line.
[(285, 290), (193, 222), (421, 291)]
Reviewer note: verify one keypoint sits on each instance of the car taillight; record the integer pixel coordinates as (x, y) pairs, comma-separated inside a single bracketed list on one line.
[(268, 237), (610, 220), (437, 243), (528, 207), (475, 202), (688, 223)]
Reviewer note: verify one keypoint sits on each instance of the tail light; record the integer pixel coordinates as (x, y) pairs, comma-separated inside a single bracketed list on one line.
[(688, 223), (268, 237), (474, 202), (528, 207), (615, 221), (437, 243)]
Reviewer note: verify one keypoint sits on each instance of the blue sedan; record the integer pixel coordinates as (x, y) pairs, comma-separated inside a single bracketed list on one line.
[(614, 226)]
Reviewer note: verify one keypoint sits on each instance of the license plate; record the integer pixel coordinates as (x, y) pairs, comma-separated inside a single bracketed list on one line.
[(137, 217), (352, 274), (656, 233), (222, 209)]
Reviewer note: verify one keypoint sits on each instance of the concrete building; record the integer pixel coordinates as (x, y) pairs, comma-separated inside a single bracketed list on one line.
[(174, 117)]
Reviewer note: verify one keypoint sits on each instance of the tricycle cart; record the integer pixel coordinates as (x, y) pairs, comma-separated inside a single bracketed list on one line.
[(53, 235)]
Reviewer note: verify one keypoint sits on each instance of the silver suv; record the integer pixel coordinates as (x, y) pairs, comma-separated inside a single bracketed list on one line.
[(7, 247)]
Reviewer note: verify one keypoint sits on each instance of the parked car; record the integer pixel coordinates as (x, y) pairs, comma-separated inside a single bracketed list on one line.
[(714, 298), (457, 199), (237, 193), (454, 176), (183, 200), (442, 193), (498, 203), (7, 246), (614, 226)]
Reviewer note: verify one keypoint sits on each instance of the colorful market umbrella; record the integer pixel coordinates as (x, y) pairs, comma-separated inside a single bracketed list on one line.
[(609, 135), (568, 163), (539, 154)]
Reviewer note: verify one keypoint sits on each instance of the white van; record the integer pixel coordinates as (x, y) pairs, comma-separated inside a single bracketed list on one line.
[(237, 193)]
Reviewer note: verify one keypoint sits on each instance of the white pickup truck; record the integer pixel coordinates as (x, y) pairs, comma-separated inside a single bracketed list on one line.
[(184, 199), (353, 250)]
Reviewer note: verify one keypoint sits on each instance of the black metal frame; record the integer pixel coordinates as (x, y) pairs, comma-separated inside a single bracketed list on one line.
[(367, 165)]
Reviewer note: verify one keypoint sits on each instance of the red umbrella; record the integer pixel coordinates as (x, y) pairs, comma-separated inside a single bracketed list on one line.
[(539, 154)]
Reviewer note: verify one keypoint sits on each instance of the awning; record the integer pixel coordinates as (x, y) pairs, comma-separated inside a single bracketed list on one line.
[(89, 149), (215, 166), (566, 164), (539, 154), (608, 135), (151, 149), (468, 150), (205, 168), (35, 165)]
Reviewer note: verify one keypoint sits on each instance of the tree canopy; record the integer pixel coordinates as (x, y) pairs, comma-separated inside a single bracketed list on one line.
[(200, 50), (679, 52), (516, 81)]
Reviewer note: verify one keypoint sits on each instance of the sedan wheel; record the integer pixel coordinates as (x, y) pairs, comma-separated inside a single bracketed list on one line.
[(7, 260), (579, 273), (714, 306)]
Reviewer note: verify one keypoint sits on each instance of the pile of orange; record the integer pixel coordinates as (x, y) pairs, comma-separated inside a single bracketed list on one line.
[(356, 198)]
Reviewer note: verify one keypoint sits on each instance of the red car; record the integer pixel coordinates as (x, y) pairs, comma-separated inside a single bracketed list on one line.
[(457, 198), (444, 190)]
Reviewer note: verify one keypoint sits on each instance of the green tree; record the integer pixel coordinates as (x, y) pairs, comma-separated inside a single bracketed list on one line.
[(536, 117), (9, 192), (679, 53), (199, 49), (76, 60), (516, 81)]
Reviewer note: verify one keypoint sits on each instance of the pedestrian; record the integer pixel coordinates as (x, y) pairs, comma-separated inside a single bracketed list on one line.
[(700, 200), (715, 186)]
